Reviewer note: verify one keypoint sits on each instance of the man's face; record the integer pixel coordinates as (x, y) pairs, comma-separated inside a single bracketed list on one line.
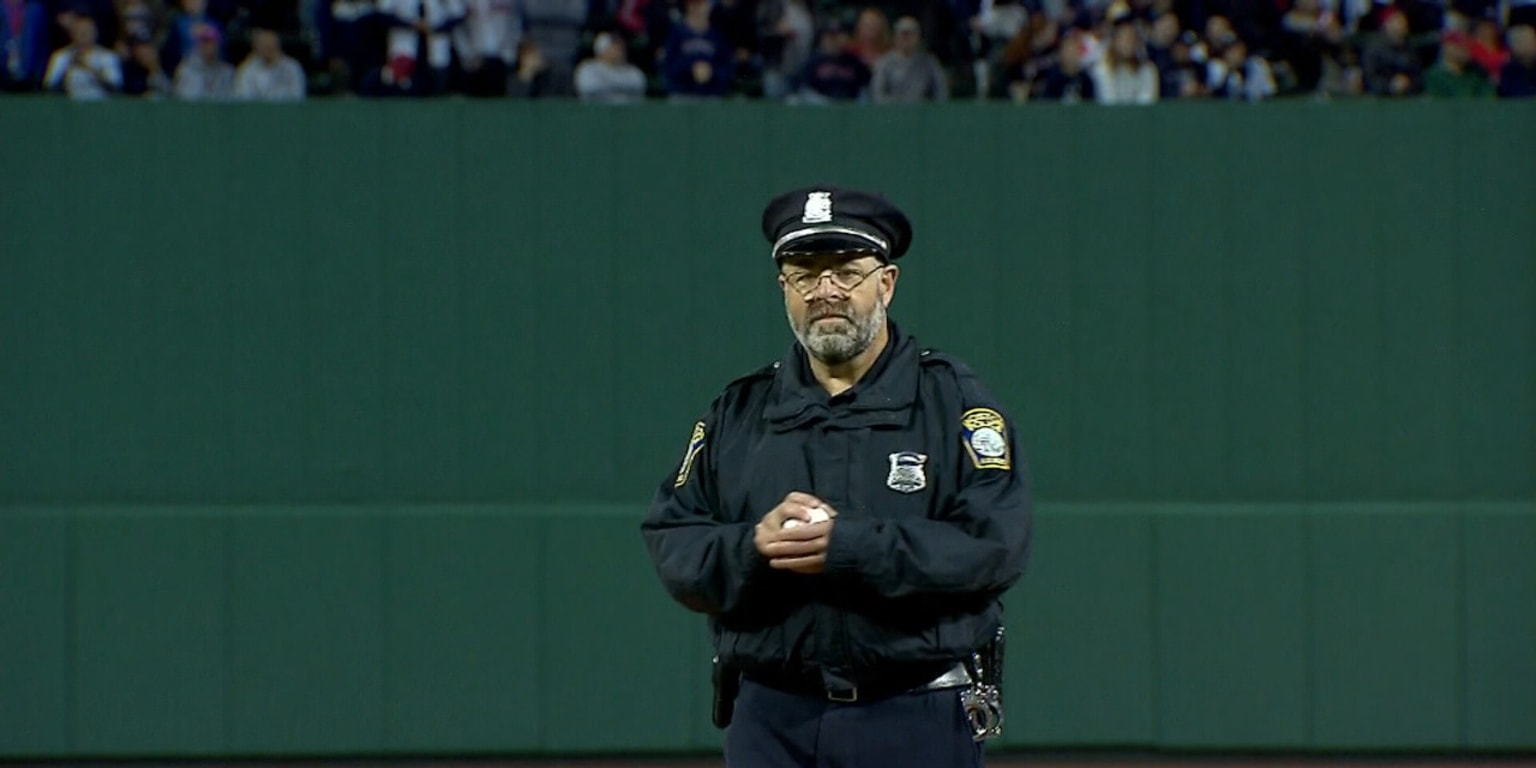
[(834, 42), (1455, 52), (1522, 42), (1125, 41), (614, 53), (146, 55), (266, 45), (833, 322), (907, 39), (1218, 31), (82, 31), (1164, 30), (1396, 26), (1235, 55)]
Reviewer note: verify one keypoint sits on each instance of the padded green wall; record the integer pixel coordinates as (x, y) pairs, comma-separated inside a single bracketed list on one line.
[(326, 429)]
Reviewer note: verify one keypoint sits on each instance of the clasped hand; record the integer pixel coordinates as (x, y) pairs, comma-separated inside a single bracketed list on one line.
[(802, 548)]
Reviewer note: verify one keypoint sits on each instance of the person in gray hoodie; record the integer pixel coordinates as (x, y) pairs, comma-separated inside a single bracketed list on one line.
[(908, 72), (608, 77)]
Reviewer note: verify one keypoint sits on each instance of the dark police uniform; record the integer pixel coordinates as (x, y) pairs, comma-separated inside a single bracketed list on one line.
[(934, 520)]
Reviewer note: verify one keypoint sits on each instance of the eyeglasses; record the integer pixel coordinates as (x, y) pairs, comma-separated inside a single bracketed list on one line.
[(843, 278)]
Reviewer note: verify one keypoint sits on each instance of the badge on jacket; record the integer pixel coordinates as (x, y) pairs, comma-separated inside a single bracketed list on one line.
[(907, 472), (983, 430)]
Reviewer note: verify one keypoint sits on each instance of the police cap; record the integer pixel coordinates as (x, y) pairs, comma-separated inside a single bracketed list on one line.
[(835, 219)]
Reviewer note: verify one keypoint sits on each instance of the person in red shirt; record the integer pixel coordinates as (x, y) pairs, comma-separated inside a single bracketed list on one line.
[(1487, 47)]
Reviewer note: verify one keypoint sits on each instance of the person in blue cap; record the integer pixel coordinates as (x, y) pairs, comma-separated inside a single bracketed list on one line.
[(849, 518)]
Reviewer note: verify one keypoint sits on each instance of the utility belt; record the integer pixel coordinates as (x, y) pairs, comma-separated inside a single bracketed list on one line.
[(979, 676), (956, 676)]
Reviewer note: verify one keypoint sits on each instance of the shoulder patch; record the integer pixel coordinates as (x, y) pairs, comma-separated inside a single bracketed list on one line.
[(984, 433), (695, 444)]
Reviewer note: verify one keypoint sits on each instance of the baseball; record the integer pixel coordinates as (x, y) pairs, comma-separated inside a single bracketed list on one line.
[(818, 515)]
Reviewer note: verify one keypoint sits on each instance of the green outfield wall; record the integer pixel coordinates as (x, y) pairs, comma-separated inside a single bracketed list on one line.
[(326, 428)]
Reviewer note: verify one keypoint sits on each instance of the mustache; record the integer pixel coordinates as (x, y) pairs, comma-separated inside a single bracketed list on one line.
[(829, 310)]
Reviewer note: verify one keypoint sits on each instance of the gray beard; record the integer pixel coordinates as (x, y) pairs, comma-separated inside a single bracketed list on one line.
[(842, 340)]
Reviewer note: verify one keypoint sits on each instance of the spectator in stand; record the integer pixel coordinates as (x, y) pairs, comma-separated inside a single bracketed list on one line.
[(421, 40), (103, 12), (139, 20), (1087, 35), (1067, 79), (908, 73), (23, 44), (995, 25), (1251, 20), (646, 25), (1124, 74), (835, 73), (557, 25), (607, 77), (1307, 37), (737, 22), (181, 39), (142, 73), (1518, 78), (1162, 31), (1391, 64), (1456, 75), (486, 44), (1487, 47), (530, 76), (1350, 14), (1189, 75), (1028, 54), (1236, 75), (349, 48), (268, 74), (698, 61), (204, 75), (871, 36), (84, 69), (787, 39), (1343, 74), (1218, 35)]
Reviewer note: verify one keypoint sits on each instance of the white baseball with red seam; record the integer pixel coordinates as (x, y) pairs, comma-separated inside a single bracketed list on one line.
[(818, 515)]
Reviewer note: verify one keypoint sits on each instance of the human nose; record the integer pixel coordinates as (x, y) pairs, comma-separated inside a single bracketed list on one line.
[(825, 278)]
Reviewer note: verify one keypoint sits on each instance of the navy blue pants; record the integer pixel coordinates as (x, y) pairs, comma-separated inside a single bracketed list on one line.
[(773, 729)]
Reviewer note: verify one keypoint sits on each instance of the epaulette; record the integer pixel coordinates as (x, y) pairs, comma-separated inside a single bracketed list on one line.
[(930, 356), (765, 372)]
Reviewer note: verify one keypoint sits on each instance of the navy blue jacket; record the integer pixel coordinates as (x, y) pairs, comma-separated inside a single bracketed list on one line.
[(934, 517)]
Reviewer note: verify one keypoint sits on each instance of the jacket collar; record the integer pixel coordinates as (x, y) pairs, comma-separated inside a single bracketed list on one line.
[(882, 396)]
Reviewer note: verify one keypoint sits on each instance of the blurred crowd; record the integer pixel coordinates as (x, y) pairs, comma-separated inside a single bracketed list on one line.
[(802, 51)]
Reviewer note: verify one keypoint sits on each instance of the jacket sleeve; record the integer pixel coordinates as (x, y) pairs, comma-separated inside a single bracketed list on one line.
[(979, 543), (703, 562)]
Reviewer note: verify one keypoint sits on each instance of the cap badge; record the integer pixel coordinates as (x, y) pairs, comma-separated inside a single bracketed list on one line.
[(818, 208)]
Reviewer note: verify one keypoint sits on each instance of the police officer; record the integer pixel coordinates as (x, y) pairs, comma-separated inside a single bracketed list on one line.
[(848, 518)]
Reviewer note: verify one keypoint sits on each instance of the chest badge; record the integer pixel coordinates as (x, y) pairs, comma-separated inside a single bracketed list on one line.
[(907, 472)]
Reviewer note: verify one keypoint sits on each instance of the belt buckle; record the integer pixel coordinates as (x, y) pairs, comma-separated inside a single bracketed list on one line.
[(846, 696)]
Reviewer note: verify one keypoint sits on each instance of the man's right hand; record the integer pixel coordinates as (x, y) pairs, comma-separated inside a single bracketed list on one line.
[(775, 542)]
